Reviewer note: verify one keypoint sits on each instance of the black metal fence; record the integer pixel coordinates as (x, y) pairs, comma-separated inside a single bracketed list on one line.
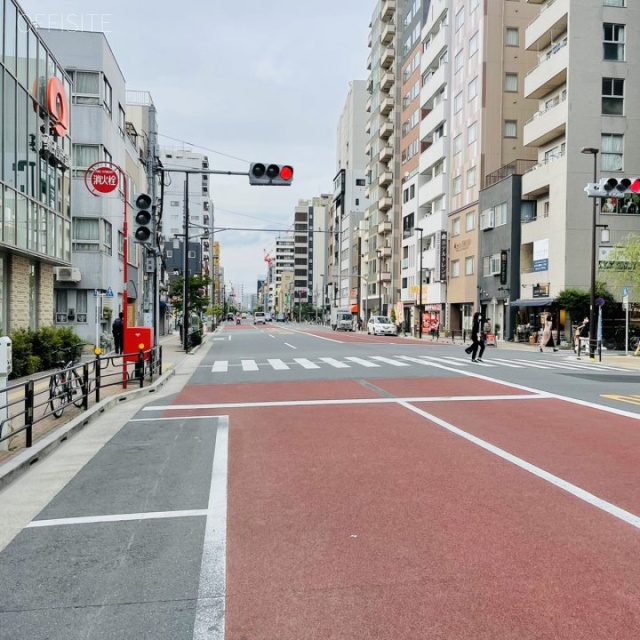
[(27, 403)]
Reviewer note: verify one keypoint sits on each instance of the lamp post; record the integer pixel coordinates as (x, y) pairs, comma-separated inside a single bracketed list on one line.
[(379, 252), (592, 301), (420, 231)]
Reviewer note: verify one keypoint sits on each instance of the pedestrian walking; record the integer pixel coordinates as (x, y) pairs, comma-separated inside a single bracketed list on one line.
[(547, 334), (582, 331), (117, 329), (476, 349)]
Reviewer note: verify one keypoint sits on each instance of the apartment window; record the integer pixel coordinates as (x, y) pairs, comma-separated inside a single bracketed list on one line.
[(474, 5), (510, 128), (613, 3), (511, 82), (613, 41), (470, 221), (512, 37), (457, 103), (491, 265), (457, 144), (84, 155), (473, 44), (611, 151), (471, 178), (360, 182), (457, 185), (459, 19), (455, 227), (86, 87), (472, 133), (500, 215), (458, 61), (455, 268), (108, 96), (121, 120), (473, 88), (612, 96), (469, 266)]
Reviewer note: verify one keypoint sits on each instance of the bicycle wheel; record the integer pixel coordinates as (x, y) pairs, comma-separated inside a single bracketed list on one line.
[(76, 388), (57, 396)]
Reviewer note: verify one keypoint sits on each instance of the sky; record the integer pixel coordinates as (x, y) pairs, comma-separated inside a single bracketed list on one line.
[(245, 81)]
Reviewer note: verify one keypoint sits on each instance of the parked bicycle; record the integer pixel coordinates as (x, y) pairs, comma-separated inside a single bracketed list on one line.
[(66, 385)]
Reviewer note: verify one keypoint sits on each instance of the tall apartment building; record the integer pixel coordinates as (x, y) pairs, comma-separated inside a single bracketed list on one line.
[(282, 274), (35, 185), (101, 134), (580, 46), (382, 217), (344, 278)]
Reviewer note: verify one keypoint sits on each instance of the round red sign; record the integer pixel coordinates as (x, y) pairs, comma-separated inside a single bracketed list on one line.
[(104, 180)]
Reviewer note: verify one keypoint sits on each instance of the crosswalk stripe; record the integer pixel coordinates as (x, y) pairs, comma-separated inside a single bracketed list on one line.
[(390, 361), (277, 364), (362, 361), (220, 366), (336, 363), (535, 365), (507, 363), (249, 365), (416, 360), (307, 364)]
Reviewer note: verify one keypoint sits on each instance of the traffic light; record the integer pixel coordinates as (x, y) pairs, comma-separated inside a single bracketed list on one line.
[(143, 218), (613, 187), (275, 175)]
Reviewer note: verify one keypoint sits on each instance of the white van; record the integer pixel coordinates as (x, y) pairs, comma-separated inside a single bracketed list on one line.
[(259, 318)]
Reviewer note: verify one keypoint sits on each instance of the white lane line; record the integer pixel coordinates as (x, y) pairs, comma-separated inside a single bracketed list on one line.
[(390, 361), (306, 364), (336, 363), (119, 517), (507, 363), (313, 335), (210, 606), (535, 395), (277, 364), (574, 490), (272, 336), (290, 345), (362, 361), (249, 365), (161, 418), (220, 366)]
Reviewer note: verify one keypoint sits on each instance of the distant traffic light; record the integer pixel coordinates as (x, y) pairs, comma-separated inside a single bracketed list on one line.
[(275, 175), (613, 187), (143, 218)]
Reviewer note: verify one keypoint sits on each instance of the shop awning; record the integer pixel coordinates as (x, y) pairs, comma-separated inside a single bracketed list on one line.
[(533, 302)]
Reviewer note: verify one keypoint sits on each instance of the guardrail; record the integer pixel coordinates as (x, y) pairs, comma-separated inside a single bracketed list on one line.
[(25, 404)]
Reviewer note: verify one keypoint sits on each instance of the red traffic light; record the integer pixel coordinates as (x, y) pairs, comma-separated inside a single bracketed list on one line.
[(286, 172), (274, 175), (635, 186)]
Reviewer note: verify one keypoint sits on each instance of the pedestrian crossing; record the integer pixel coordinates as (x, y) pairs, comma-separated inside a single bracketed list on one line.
[(376, 362)]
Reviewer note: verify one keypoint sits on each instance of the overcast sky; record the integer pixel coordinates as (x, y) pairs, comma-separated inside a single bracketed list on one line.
[(259, 81)]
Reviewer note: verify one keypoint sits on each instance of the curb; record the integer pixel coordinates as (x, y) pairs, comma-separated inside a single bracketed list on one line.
[(24, 460)]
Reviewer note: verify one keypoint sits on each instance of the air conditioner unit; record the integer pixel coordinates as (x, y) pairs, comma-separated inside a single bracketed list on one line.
[(67, 274)]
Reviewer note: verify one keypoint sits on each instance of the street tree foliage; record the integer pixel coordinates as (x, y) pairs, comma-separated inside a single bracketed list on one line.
[(621, 266), (198, 298), (577, 302)]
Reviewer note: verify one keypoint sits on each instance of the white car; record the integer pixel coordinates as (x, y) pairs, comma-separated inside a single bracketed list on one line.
[(381, 326), (259, 318)]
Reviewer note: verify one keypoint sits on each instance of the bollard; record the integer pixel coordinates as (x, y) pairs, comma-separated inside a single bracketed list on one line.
[(5, 370)]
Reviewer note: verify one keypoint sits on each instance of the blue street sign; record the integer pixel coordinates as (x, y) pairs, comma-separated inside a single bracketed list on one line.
[(95, 293), (109, 293), (625, 291), (600, 302)]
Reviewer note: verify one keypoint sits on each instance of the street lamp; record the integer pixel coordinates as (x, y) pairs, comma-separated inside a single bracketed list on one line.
[(379, 252), (419, 230), (592, 302)]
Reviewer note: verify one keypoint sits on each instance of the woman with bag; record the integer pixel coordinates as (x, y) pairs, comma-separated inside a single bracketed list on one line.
[(547, 334)]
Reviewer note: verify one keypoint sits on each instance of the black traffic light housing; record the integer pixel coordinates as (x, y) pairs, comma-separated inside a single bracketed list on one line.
[(274, 175), (143, 218)]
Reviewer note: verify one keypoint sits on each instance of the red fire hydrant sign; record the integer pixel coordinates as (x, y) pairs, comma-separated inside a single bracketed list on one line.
[(104, 180)]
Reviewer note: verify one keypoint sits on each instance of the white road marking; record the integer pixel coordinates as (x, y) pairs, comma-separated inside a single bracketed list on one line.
[(277, 364), (220, 366), (290, 345), (362, 361), (249, 365), (120, 517), (336, 363), (306, 364), (390, 361), (574, 490), (507, 363), (423, 362)]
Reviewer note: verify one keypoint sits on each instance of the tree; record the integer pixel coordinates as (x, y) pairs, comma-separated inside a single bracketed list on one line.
[(577, 302), (198, 300), (621, 266)]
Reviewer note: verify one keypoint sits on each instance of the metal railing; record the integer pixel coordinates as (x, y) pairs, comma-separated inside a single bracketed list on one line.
[(25, 404)]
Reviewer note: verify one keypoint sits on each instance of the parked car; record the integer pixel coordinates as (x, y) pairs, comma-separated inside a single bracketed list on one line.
[(259, 318), (381, 326), (268, 316), (281, 317)]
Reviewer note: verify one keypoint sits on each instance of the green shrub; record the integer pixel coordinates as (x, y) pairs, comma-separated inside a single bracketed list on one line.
[(21, 350), (47, 343), (195, 339)]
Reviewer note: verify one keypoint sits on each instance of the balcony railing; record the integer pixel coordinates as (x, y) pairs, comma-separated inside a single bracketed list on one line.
[(515, 168)]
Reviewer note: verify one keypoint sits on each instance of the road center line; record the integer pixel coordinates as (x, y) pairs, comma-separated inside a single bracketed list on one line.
[(119, 517), (290, 345), (574, 490)]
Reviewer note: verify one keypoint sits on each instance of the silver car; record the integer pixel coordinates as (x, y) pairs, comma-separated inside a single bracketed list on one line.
[(381, 326)]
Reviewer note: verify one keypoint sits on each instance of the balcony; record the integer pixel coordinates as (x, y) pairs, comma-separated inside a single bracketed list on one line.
[(385, 178), (387, 58), (434, 83), (536, 181), (367, 148), (434, 48), (432, 154), (387, 81), (386, 130), (546, 125), (386, 106), (386, 251), (435, 117), (367, 105), (367, 127), (385, 276), (431, 190), (550, 73), (384, 204), (386, 154), (388, 34), (369, 61), (550, 23), (388, 10)]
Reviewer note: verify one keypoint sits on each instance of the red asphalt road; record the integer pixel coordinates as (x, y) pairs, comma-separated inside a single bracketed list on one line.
[(372, 522)]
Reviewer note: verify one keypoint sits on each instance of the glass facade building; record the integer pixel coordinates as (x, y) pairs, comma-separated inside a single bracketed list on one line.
[(35, 187)]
